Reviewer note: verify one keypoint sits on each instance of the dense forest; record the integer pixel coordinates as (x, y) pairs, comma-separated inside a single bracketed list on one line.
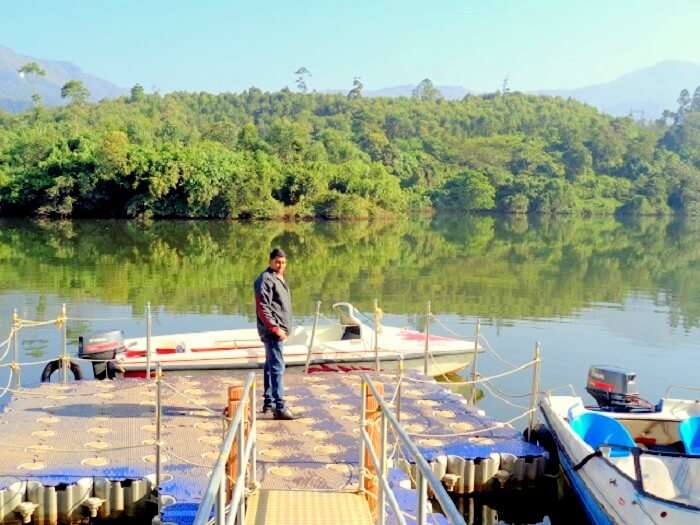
[(303, 155)]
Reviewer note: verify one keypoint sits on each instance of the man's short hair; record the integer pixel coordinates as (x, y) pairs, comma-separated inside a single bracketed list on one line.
[(277, 252)]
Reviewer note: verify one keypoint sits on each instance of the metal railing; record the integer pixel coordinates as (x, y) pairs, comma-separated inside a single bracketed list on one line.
[(688, 388), (424, 473), (215, 494)]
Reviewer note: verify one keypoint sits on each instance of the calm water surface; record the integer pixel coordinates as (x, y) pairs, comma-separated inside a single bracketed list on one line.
[(591, 291)]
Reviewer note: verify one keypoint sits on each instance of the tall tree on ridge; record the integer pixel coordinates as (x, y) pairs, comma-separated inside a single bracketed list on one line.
[(684, 101), (695, 102), (356, 91), (32, 69), (76, 91), (301, 74), (425, 90), (137, 93)]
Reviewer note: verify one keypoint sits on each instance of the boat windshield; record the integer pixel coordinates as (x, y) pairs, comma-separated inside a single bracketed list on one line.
[(668, 476), (346, 314)]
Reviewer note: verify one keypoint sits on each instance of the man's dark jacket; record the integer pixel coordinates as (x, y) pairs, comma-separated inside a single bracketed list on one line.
[(273, 305)]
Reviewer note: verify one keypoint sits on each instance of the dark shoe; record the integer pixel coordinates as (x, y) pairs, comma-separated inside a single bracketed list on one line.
[(266, 409), (285, 415)]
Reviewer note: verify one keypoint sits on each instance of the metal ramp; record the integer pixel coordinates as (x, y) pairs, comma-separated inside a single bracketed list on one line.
[(294, 507), (235, 474)]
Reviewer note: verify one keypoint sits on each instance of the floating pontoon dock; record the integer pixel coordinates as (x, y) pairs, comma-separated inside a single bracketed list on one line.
[(68, 447)]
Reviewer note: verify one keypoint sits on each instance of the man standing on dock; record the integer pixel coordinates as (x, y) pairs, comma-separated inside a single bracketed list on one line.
[(273, 306)]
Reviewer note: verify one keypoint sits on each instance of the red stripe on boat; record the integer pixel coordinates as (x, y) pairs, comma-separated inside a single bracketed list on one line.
[(219, 348), (142, 353)]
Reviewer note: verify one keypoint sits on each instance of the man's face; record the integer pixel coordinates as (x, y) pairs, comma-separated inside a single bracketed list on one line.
[(278, 265)]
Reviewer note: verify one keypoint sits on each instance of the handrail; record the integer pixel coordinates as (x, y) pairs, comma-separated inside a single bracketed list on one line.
[(424, 472), (215, 493), (568, 386), (680, 387)]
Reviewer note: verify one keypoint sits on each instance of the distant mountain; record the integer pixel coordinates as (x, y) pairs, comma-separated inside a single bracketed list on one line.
[(406, 90), (16, 91), (642, 93)]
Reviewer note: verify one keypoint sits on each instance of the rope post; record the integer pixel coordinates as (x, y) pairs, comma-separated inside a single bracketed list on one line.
[(221, 500), (427, 338), (15, 367), (535, 389), (399, 387), (313, 337), (377, 365), (254, 436), (422, 492), (371, 419), (240, 474), (381, 504), (159, 411), (148, 340), (475, 373), (363, 452), (64, 344), (235, 395)]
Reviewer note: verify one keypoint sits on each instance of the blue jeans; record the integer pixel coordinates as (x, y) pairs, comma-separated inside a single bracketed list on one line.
[(273, 375)]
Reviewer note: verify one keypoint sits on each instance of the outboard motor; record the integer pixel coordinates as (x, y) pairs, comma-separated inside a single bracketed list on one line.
[(103, 348), (614, 389)]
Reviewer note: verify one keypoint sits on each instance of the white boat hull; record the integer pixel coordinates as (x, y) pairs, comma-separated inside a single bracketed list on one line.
[(608, 487), (242, 349)]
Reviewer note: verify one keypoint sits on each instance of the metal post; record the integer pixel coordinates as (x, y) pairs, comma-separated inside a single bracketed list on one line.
[(422, 492), (64, 344), (381, 516), (15, 368), (148, 341), (159, 411), (363, 408), (400, 387), (376, 336), (313, 337), (221, 499), (475, 374), (241, 469), (427, 337), (535, 389), (253, 436)]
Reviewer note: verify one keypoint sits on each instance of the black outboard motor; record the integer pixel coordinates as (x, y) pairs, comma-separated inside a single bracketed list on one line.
[(103, 348), (614, 389)]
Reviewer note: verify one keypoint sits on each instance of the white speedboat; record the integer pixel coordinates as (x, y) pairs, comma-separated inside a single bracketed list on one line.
[(347, 341), (630, 462)]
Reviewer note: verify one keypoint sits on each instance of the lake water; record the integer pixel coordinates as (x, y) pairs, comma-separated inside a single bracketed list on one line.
[(591, 291)]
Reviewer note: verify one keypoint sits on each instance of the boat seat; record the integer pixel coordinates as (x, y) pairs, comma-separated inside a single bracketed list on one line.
[(597, 429), (689, 431)]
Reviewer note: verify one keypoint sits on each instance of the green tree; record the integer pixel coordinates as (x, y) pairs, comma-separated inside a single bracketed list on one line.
[(76, 91), (425, 90), (32, 69), (137, 93), (684, 102), (302, 74), (470, 190), (695, 101), (356, 91)]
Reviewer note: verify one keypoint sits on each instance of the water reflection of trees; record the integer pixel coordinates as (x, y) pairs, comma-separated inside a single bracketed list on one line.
[(492, 267)]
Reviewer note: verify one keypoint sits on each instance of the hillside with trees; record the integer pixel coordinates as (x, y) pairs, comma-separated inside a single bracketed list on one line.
[(308, 155)]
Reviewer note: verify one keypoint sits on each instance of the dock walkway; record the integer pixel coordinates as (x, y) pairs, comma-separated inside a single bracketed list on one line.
[(294, 507)]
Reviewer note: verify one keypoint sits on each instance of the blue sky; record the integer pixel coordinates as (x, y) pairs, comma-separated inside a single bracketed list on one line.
[(229, 45)]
